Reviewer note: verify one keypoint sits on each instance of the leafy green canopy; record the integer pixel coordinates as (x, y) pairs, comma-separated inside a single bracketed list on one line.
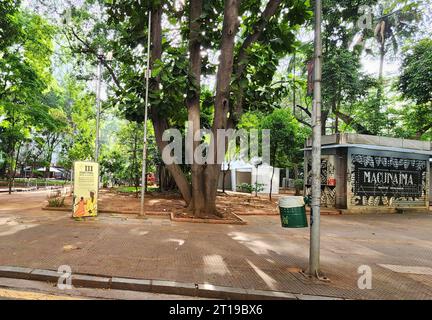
[(9, 26), (256, 63), (416, 80)]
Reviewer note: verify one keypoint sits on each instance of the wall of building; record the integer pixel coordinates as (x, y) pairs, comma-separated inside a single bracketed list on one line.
[(264, 175), (350, 166), (243, 177), (228, 182), (383, 179)]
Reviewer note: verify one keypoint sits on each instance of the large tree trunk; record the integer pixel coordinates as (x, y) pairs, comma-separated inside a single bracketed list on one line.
[(224, 176), (201, 198), (324, 117), (12, 171), (159, 122), (166, 181), (134, 174), (381, 71), (382, 40), (193, 103), (229, 31)]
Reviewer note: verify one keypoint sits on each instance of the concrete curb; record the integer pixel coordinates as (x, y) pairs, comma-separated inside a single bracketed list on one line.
[(240, 221), (15, 272), (155, 286)]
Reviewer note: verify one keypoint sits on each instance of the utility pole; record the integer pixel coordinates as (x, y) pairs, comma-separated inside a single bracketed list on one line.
[(144, 160), (314, 254), (294, 83), (100, 57)]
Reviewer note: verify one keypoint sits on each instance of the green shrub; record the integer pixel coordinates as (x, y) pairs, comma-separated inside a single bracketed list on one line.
[(245, 187), (250, 188), (298, 185), (56, 202)]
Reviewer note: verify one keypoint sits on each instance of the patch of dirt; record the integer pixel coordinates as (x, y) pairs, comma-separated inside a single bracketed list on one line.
[(129, 203), (247, 204), (228, 204)]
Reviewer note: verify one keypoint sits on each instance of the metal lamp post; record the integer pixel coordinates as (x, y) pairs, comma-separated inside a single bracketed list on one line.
[(144, 160), (314, 254), (101, 59)]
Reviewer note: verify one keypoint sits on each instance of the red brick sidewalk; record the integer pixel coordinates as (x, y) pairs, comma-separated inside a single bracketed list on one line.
[(260, 255)]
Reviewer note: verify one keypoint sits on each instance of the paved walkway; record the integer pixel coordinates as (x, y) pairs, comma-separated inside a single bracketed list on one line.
[(260, 255)]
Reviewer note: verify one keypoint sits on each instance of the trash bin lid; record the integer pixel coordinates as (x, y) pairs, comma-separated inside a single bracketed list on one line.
[(291, 202)]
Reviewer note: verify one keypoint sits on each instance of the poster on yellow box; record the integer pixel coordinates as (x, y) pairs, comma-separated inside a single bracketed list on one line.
[(86, 177)]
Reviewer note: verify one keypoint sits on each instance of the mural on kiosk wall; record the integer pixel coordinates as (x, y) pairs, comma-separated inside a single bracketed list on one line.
[(387, 181)]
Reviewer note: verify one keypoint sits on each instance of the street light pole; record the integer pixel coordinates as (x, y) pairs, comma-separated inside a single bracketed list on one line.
[(314, 254), (98, 103), (144, 160)]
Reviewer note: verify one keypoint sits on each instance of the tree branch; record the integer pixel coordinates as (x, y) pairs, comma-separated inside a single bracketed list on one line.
[(242, 57), (350, 121), (88, 49), (423, 130), (305, 110), (304, 122), (269, 11)]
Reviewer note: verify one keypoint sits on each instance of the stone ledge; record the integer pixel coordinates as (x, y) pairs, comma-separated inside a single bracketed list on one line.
[(155, 286), (268, 295), (91, 281), (218, 292), (130, 284), (240, 221), (15, 272), (45, 275), (309, 297), (174, 287)]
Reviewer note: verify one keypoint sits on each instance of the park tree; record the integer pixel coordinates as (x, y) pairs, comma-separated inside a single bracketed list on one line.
[(54, 130), (122, 159), (287, 139), (345, 84), (249, 39), (397, 21), (9, 25), (213, 61), (25, 76), (415, 83), (343, 80), (78, 105)]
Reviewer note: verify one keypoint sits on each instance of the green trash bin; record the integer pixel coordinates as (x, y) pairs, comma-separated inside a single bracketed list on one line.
[(293, 212)]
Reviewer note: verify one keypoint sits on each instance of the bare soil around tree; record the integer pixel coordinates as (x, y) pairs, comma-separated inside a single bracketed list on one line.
[(229, 205)]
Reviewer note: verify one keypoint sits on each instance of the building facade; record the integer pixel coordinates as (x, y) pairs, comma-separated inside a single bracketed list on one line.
[(366, 173)]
